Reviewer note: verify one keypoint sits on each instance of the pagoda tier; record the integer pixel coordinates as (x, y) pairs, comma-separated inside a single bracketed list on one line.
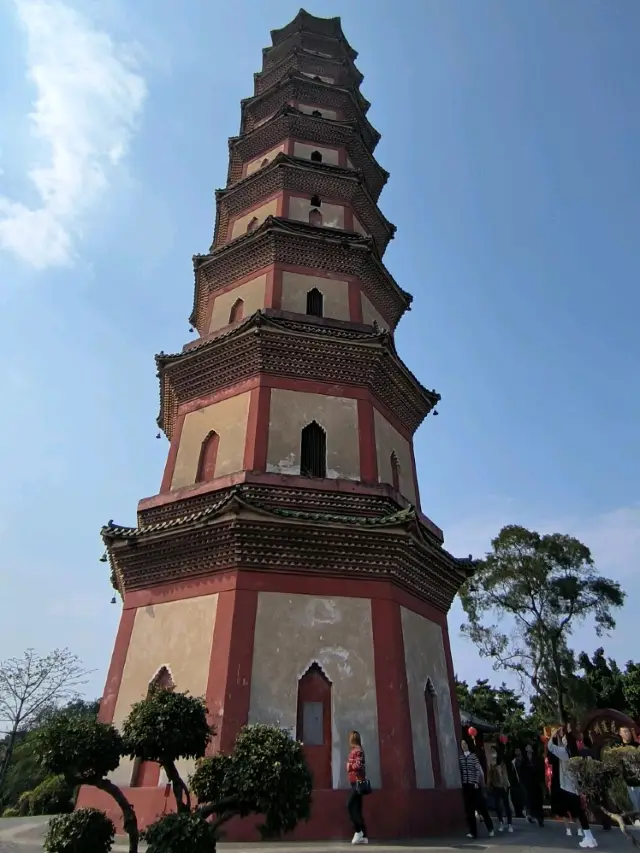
[(285, 570)]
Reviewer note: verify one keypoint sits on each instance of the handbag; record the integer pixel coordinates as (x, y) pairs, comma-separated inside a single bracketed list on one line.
[(363, 787)]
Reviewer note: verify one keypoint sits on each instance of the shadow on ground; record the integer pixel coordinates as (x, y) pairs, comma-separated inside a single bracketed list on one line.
[(25, 835)]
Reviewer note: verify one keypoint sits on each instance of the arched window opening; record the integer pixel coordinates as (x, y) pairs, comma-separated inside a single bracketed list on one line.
[(395, 471), (431, 702), (265, 162), (316, 114), (252, 225), (146, 774), (316, 156), (237, 311), (315, 303), (315, 216), (313, 723), (316, 201), (208, 457), (313, 451)]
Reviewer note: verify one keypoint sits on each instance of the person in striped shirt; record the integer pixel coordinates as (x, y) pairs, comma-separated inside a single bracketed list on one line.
[(471, 775)]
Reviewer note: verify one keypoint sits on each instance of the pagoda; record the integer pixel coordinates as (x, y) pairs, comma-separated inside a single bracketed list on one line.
[(285, 571)]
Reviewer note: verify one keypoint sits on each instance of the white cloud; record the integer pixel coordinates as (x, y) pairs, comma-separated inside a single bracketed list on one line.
[(88, 100)]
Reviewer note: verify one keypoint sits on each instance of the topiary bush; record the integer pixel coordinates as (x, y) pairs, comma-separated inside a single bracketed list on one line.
[(84, 831), (24, 803), (79, 748), (266, 774), (180, 832), (53, 796), (11, 813)]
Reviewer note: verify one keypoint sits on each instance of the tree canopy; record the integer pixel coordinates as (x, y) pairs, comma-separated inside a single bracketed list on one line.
[(524, 601)]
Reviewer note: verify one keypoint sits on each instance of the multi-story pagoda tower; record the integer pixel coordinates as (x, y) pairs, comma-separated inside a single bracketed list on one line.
[(285, 571)]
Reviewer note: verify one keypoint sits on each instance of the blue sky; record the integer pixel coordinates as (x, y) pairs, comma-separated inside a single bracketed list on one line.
[(511, 131)]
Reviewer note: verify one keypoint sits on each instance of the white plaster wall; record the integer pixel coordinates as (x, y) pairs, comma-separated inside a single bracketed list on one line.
[(323, 77), (304, 151), (305, 108), (255, 164), (425, 658), (369, 313), (293, 631), (332, 214)]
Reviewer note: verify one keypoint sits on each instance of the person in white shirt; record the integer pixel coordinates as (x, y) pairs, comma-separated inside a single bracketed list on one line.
[(563, 745)]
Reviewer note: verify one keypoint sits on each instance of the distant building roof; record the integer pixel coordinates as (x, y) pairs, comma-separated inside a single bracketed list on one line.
[(468, 719)]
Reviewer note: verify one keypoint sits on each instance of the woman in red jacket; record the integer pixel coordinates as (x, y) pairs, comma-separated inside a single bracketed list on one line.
[(357, 773)]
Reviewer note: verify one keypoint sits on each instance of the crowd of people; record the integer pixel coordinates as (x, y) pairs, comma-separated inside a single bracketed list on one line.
[(525, 780), (518, 783)]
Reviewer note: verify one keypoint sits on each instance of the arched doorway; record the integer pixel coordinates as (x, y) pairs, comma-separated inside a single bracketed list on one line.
[(313, 725)]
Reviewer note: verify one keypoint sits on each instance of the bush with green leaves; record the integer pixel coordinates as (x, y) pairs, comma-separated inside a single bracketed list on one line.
[(53, 796), (604, 783), (177, 833), (24, 803), (11, 813), (266, 774), (84, 831), (166, 727), (79, 748)]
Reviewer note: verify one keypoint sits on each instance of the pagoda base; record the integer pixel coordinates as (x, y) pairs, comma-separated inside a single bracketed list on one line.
[(389, 814)]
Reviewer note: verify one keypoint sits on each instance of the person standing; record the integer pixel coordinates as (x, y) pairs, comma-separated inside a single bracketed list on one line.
[(518, 791), (532, 773), (499, 786), (471, 775), (357, 773), (563, 746)]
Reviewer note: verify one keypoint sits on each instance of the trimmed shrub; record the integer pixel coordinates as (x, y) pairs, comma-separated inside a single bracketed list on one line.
[(24, 803), (176, 833), (84, 831), (11, 813), (53, 796)]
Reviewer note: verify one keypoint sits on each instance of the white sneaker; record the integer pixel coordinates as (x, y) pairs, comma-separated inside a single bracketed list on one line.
[(357, 838), (588, 842), (569, 833), (501, 828), (580, 832), (469, 835), (491, 834), (636, 823), (510, 828)]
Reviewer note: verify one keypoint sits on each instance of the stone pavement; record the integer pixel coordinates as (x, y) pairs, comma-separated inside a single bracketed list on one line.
[(24, 835)]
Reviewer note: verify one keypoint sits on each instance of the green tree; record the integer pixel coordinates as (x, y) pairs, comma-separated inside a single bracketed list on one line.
[(30, 686), (604, 677), (524, 601), (631, 689)]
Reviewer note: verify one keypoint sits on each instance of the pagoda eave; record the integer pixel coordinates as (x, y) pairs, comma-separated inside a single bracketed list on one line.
[(298, 87), (285, 241), (306, 22), (263, 345), (237, 535), (295, 174), (307, 62), (288, 122)]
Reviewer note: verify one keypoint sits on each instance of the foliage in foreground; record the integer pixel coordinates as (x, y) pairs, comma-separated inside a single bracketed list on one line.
[(266, 774), (52, 796), (84, 831), (179, 832), (605, 783)]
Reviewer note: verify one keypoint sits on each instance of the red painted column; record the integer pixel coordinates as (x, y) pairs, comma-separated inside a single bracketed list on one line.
[(367, 442), (116, 668), (355, 302), (394, 718), (169, 468), (255, 451), (229, 684)]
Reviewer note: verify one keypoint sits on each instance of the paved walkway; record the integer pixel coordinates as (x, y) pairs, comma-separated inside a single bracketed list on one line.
[(24, 835)]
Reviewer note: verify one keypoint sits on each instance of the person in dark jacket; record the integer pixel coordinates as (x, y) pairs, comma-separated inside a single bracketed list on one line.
[(471, 776), (532, 777)]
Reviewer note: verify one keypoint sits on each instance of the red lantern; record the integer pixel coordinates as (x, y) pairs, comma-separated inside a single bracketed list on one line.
[(503, 739), (472, 732)]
